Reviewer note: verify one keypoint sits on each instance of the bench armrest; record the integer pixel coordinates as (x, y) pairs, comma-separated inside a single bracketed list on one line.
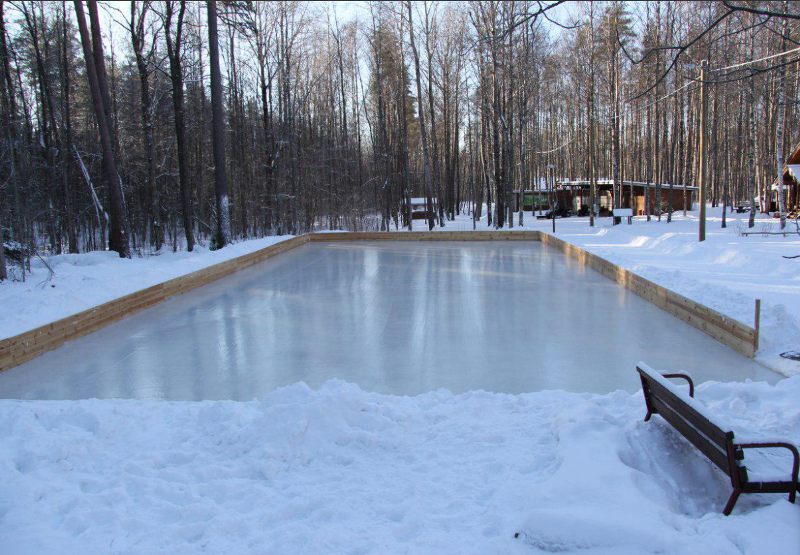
[(685, 377), (777, 444)]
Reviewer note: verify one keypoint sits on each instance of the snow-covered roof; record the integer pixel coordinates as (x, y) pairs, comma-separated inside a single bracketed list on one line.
[(609, 182)]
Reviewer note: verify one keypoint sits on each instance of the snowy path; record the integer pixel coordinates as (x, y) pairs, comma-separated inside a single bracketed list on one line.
[(340, 470)]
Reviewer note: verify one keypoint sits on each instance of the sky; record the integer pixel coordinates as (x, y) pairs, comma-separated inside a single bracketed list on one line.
[(346, 10)]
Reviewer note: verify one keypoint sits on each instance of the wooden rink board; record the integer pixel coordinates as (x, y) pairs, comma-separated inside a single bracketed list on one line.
[(732, 333), (29, 345)]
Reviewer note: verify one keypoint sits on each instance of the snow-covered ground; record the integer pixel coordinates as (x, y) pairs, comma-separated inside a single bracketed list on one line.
[(82, 281), (340, 470), (344, 470)]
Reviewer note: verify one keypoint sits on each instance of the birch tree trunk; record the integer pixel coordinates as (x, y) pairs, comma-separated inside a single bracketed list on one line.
[(426, 163), (751, 147)]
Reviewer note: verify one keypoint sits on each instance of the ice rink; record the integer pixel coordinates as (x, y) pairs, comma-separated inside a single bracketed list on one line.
[(400, 318)]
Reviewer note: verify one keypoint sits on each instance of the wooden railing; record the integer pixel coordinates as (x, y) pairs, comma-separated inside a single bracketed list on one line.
[(29, 345), (733, 333)]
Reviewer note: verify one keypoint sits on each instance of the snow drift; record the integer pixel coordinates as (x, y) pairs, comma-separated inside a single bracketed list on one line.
[(343, 470)]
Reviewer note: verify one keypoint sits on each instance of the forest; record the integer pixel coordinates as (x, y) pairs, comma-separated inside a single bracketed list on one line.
[(140, 126)]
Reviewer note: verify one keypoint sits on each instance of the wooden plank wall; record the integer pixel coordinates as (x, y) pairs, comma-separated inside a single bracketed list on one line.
[(26, 346), (428, 236), (731, 332)]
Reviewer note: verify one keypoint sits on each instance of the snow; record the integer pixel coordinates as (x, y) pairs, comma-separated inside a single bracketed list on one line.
[(343, 470), (82, 281)]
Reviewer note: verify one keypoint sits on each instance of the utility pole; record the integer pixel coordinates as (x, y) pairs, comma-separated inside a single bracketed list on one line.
[(703, 149), (781, 121), (553, 196)]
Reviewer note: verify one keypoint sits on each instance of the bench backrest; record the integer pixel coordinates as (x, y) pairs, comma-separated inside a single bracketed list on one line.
[(690, 418)]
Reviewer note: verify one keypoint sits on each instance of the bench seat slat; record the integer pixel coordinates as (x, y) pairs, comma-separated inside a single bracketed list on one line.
[(699, 421), (710, 450), (767, 487)]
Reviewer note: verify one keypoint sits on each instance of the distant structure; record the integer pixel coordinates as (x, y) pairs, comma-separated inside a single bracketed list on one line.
[(576, 194), (419, 208), (791, 185)]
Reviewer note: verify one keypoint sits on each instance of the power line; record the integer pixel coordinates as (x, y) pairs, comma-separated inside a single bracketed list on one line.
[(572, 140), (758, 60), (676, 91), (673, 93)]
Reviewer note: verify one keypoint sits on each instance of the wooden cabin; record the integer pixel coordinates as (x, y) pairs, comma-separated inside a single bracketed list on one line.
[(539, 200), (604, 190), (682, 196), (791, 184), (533, 200)]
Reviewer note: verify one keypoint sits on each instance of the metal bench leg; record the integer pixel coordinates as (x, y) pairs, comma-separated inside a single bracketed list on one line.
[(731, 502)]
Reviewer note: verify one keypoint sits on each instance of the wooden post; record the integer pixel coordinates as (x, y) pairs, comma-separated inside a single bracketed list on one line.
[(552, 170), (757, 326), (3, 272), (703, 147)]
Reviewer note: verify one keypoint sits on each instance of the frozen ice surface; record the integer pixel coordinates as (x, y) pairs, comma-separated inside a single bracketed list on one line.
[(399, 318)]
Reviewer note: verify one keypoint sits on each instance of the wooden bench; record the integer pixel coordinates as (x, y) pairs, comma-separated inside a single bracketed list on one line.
[(713, 439)]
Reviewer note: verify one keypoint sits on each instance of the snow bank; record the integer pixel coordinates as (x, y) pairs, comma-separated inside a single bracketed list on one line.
[(343, 470), (82, 281)]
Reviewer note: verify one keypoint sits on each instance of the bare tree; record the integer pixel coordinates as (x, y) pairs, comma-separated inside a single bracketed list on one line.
[(423, 131), (223, 234), (174, 44), (144, 67), (96, 73), (781, 108)]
